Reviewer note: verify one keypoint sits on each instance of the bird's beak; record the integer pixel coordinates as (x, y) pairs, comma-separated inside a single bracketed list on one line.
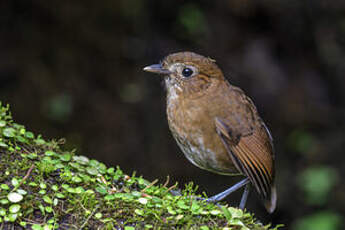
[(157, 68)]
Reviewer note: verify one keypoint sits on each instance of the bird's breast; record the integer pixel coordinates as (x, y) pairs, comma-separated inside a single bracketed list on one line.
[(193, 128)]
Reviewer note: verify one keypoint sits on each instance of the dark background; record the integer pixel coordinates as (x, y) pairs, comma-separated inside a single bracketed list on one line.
[(74, 69)]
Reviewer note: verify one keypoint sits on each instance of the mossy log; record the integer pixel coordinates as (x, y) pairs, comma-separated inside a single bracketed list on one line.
[(44, 186)]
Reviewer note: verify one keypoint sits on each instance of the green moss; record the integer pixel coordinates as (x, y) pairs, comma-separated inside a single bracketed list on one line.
[(43, 186)]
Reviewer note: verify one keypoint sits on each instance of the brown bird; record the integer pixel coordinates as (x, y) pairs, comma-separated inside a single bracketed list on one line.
[(217, 126)]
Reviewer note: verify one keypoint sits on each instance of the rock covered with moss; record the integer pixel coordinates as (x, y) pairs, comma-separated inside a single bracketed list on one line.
[(43, 186)]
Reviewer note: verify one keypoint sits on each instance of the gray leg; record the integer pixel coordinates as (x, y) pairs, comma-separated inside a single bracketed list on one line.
[(222, 195), (244, 196)]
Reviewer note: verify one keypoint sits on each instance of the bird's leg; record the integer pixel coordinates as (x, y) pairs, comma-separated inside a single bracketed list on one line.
[(222, 195), (244, 196)]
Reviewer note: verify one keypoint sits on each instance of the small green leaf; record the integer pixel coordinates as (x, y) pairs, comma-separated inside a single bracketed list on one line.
[(29, 135), (92, 171), (71, 190), (195, 206), (2, 124), (9, 132), (55, 201), (50, 153), (101, 190), (75, 165), (238, 222), (136, 193), (81, 159), (79, 190), (60, 195), (21, 191), (171, 210), (59, 166), (226, 213), (129, 228), (215, 212), (102, 168), (142, 200), (51, 221), (36, 227), (14, 197), (32, 156), (66, 157), (89, 191), (2, 144), (22, 130), (41, 207), (40, 141), (2, 212), (93, 163), (76, 179), (179, 217), (4, 201), (47, 199), (14, 208), (181, 204), (43, 186), (55, 188), (98, 215), (65, 186), (109, 197), (4, 187), (139, 212), (33, 184), (21, 139), (14, 182), (111, 171), (49, 209), (235, 212), (12, 217)]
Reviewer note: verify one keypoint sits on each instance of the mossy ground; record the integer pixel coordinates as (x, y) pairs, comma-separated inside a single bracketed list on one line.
[(43, 186)]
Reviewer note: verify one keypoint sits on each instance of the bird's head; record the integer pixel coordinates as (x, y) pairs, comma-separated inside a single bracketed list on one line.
[(187, 72)]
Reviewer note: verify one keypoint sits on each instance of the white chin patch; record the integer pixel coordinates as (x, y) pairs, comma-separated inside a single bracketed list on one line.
[(171, 84), (173, 90)]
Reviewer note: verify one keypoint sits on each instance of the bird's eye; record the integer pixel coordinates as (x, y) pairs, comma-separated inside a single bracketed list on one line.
[(187, 72)]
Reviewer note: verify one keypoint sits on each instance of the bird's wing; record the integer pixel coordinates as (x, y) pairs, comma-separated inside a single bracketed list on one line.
[(249, 145)]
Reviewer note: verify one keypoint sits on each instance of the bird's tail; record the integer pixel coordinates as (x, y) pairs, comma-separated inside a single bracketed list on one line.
[(270, 202)]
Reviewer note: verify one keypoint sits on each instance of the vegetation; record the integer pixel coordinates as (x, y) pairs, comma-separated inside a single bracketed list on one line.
[(43, 186)]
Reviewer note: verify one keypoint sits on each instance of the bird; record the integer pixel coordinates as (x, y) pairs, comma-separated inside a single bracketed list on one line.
[(217, 126)]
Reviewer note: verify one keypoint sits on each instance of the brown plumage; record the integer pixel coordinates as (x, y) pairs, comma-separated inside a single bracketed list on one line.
[(216, 125)]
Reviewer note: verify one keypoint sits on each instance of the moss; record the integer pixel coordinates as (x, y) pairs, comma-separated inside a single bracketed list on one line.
[(43, 186)]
